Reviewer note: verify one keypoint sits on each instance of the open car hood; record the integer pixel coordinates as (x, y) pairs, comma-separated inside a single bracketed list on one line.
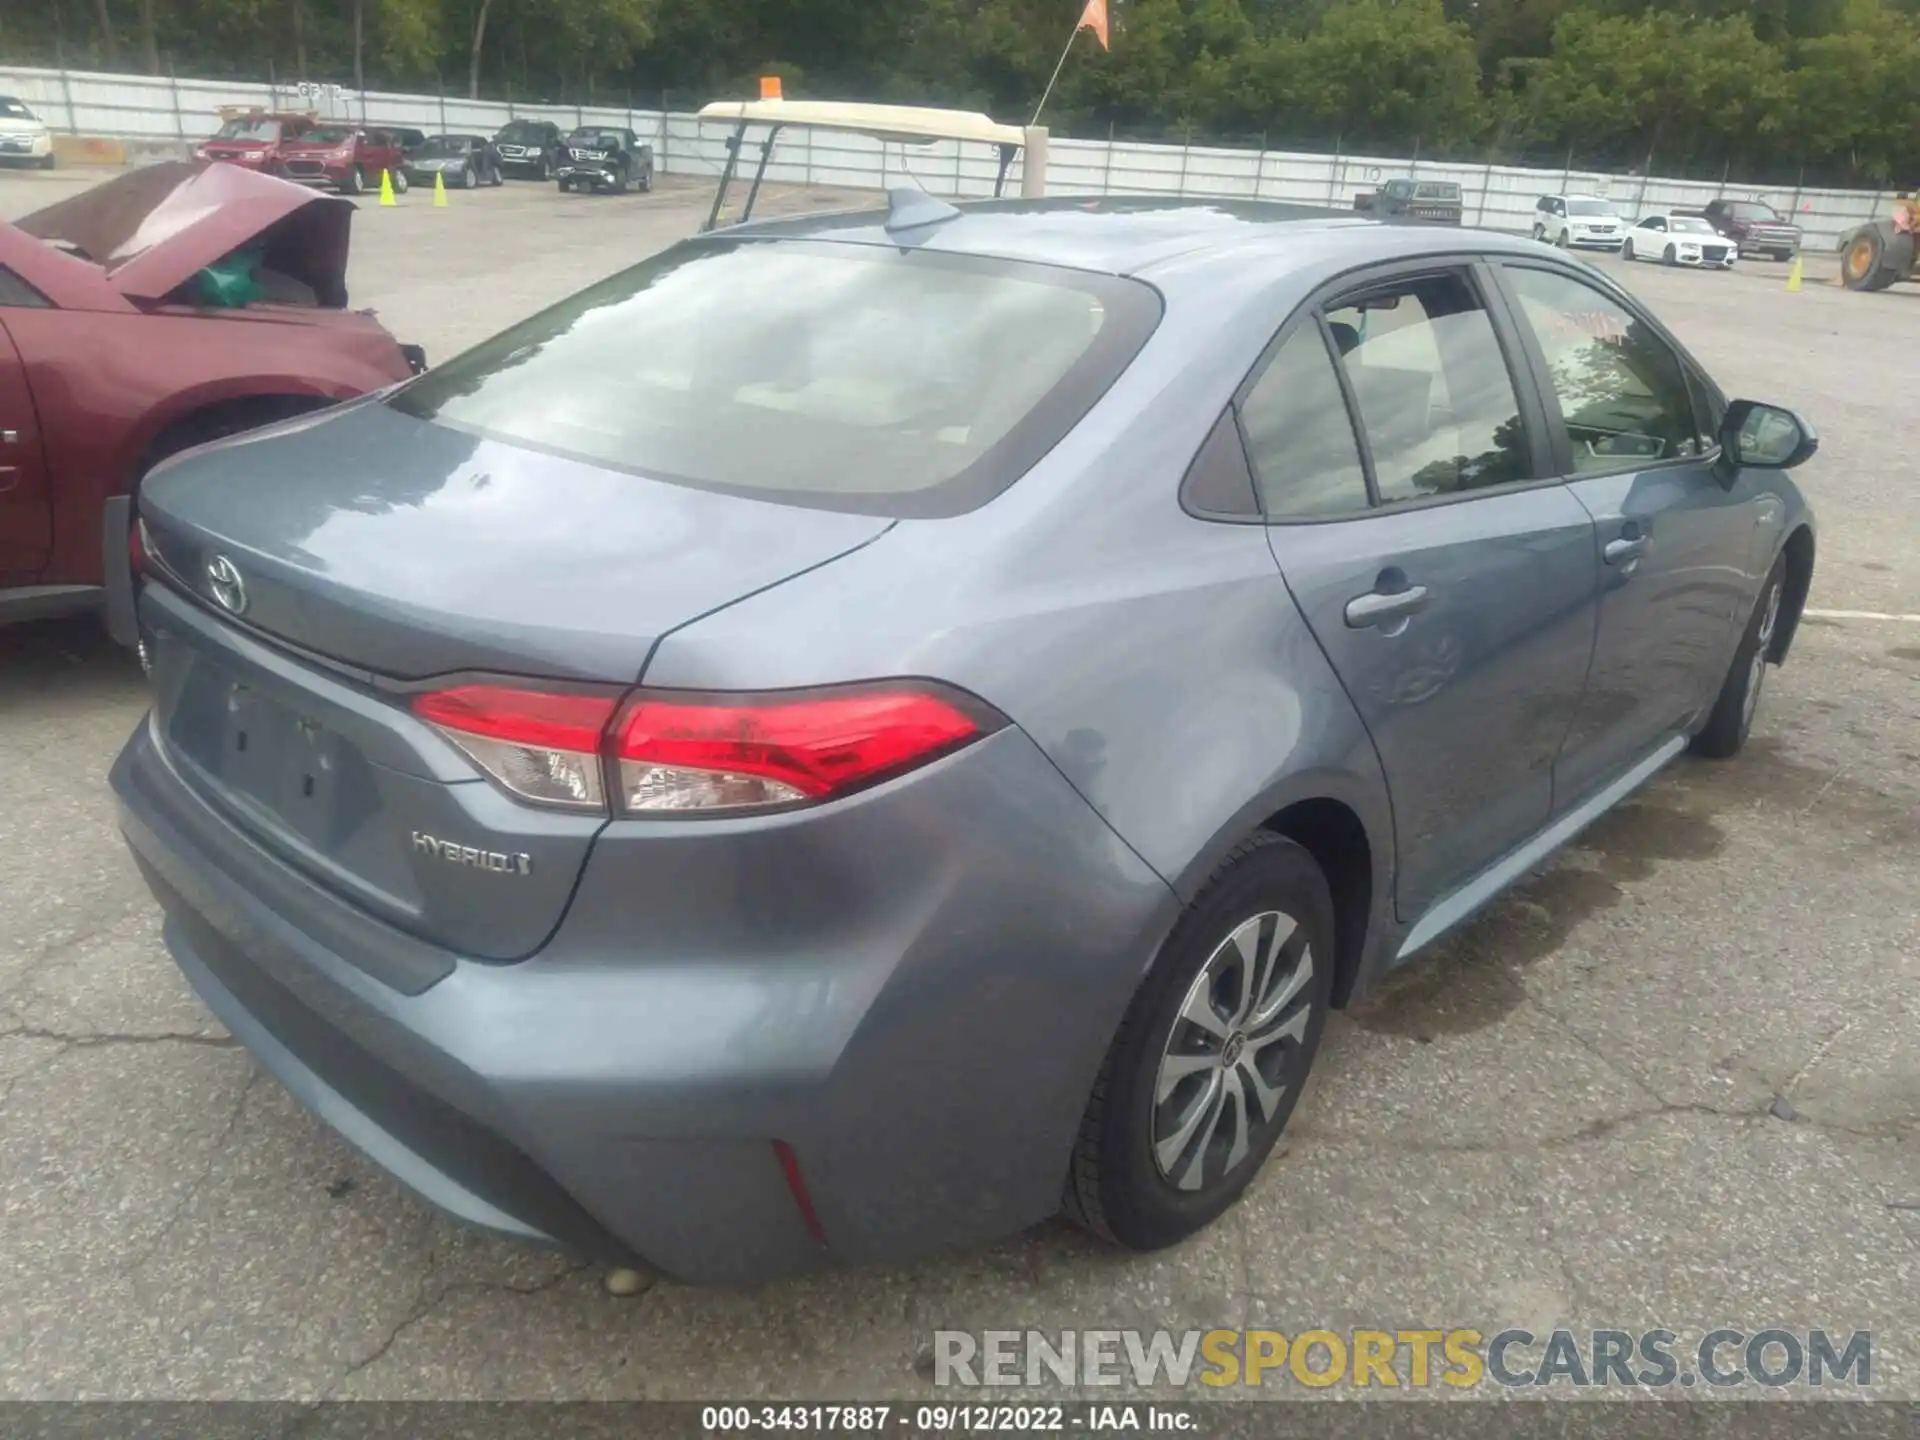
[(152, 229)]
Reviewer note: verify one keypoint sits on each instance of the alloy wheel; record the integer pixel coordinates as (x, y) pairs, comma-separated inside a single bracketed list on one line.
[(1230, 1057), (1763, 642)]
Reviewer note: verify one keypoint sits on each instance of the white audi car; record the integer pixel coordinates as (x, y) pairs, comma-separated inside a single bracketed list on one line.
[(1679, 240)]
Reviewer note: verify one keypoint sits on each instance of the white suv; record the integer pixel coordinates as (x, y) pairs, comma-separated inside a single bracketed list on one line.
[(1569, 220)]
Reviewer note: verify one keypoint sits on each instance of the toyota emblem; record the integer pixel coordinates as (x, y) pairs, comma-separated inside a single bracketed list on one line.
[(228, 589)]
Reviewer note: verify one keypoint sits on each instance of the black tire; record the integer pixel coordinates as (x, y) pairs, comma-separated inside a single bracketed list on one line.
[(401, 184), (1116, 1184), (1863, 261), (1564, 240), (498, 179), (355, 183), (1731, 718), (1626, 249), (1670, 258), (546, 167), (1540, 233), (646, 181), (47, 161), (467, 178)]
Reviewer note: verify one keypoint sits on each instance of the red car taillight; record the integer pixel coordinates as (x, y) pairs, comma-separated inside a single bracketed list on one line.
[(539, 745), (681, 753), (728, 752)]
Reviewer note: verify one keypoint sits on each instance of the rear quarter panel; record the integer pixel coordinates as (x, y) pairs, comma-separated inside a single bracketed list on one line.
[(106, 384), (1156, 659)]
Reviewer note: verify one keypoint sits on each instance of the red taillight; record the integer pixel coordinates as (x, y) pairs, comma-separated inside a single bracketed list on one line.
[(727, 752), (683, 753), (542, 746)]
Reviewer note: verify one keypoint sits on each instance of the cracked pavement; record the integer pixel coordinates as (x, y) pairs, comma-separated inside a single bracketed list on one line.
[(1673, 1080)]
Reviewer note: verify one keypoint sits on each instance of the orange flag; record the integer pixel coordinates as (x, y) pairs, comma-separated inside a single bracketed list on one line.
[(1094, 18)]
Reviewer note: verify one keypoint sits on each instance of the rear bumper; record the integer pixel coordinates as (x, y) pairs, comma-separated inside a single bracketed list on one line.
[(912, 988)]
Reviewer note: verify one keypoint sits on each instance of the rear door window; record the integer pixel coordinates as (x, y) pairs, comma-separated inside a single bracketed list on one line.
[(845, 377), (1435, 397), (1306, 464)]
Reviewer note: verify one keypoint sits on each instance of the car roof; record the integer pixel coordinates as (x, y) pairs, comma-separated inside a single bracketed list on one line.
[(1147, 236)]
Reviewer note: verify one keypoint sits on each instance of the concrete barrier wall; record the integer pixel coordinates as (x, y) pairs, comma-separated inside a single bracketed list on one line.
[(158, 115)]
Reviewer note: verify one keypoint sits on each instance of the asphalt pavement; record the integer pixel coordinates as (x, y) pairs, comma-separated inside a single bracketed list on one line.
[(1671, 1081)]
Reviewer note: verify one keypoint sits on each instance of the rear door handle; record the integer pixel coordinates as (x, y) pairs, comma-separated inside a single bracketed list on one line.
[(1618, 552), (1376, 608)]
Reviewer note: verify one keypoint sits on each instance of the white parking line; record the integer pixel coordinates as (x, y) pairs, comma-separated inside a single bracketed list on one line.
[(1862, 615)]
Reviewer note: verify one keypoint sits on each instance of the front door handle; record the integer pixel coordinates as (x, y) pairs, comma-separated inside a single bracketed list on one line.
[(1377, 608), (1618, 552)]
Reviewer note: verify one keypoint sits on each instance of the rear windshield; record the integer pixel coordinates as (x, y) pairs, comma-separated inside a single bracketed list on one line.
[(841, 377), (1436, 190)]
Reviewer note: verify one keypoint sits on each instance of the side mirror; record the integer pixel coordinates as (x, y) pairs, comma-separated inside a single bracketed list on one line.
[(1765, 437)]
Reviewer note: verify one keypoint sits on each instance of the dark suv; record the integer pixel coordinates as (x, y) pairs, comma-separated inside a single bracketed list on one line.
[(530, 147), (1755, 227), (600, 157), (1432, 202)]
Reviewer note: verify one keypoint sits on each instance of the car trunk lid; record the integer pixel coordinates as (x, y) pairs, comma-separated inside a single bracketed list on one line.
[(153, 228), (316, 585), (408, 548)]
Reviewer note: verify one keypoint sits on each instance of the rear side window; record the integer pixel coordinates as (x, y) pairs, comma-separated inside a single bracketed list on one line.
[(1300, 442), (1435, 397), (18, 294), (1623, 394), (842, 377)]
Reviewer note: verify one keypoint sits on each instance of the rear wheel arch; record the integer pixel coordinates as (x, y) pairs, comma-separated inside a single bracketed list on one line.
[(1349, 835), (1799, 551), (1333, 833), (217, 419)]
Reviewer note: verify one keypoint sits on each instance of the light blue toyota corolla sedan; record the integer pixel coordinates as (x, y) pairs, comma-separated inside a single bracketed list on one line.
[(857, 734)]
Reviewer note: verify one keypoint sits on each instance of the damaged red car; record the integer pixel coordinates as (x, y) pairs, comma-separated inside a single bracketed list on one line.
[(172, 306)]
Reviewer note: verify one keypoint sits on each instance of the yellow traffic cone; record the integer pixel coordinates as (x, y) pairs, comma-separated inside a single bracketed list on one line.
[(1794, 275), (386, 188), (439, 191)]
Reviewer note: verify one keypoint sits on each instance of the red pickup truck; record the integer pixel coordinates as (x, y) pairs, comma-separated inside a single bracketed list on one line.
[(1755, 226), (343, 156)]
